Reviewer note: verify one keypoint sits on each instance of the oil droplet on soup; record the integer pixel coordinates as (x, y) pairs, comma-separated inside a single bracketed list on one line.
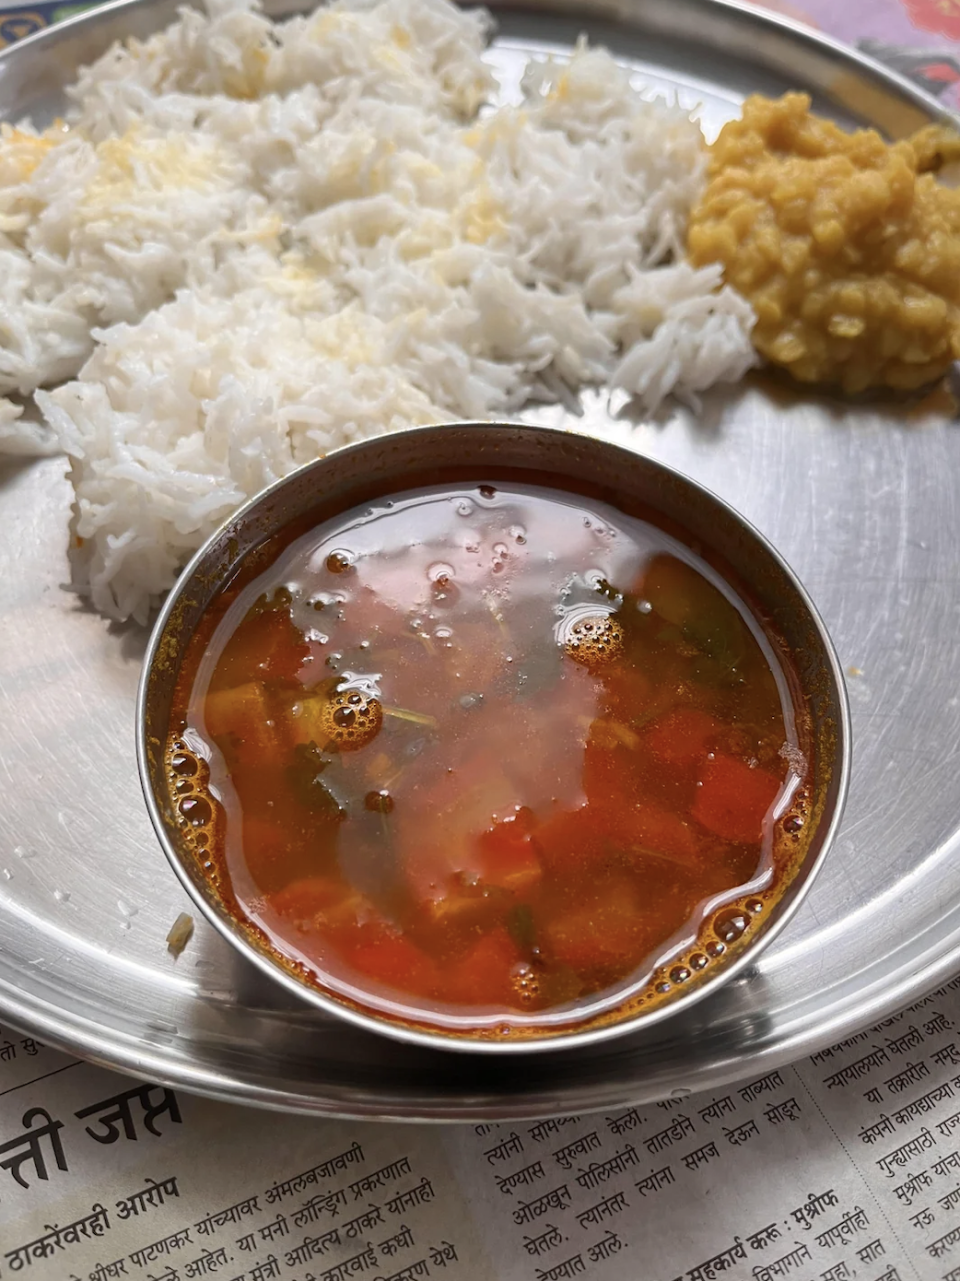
[(522, 767)]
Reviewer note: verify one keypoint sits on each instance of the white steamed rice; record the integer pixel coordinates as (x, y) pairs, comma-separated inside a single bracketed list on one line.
[(256, 242)]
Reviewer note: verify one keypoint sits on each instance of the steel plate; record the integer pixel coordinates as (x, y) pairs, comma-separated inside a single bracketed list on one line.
[(861, 501)]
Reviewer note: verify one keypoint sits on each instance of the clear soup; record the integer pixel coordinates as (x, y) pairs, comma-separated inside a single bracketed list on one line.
[(489, 755)]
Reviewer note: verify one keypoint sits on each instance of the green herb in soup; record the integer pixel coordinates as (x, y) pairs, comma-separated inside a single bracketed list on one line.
[(487, 751)]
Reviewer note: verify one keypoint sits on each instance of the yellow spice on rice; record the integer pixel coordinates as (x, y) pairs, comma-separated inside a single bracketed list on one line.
[(847, 247)]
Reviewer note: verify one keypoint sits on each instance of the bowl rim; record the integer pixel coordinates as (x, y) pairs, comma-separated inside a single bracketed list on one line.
[(444, 1040)]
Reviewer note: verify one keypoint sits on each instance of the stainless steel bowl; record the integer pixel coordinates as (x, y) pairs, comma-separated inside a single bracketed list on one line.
[(477, 451)]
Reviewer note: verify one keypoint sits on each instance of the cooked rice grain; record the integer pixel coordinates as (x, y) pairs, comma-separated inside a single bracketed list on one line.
[(256, 242)]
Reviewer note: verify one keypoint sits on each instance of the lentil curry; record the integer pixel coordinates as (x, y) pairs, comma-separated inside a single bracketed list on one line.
[(489, 752), (848, 247)]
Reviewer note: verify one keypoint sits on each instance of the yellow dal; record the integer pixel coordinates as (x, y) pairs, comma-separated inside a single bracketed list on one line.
[(848, 247)]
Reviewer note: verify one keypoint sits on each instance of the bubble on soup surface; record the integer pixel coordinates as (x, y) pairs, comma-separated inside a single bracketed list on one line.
[(731, 924), (183, 764), (525, 981), (351, 719), (592, 640), (339, 562), (442, 586), (196, 810), (380, 802)]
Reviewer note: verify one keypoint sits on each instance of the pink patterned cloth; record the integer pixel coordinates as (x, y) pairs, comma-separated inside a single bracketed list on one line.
[(908, 23), (918, 38)]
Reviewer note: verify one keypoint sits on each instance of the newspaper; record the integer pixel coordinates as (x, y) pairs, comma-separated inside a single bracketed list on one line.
[(845, 1165)]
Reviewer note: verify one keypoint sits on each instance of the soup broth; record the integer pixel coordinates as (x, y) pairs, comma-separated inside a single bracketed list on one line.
[(489, 754)]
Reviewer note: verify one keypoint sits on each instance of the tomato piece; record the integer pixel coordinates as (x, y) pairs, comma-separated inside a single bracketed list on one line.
[(629, 690), (255, 784), (657, 831), (605, 931), (483, 976), (733, 799), (573, 839), (682, 737), (267, 644), (268, 851), (395, 962), (613, 774), (278, 852), (506, 857)]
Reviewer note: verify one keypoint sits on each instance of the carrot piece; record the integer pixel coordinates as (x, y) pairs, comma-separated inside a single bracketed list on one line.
[(305, 898), (241, 715), (482, 977), (733, 799), (432, 876), (682, 737), (457, 904), (321, 903)]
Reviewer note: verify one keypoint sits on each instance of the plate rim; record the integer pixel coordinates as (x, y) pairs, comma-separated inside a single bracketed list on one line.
[(70, 1034)]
